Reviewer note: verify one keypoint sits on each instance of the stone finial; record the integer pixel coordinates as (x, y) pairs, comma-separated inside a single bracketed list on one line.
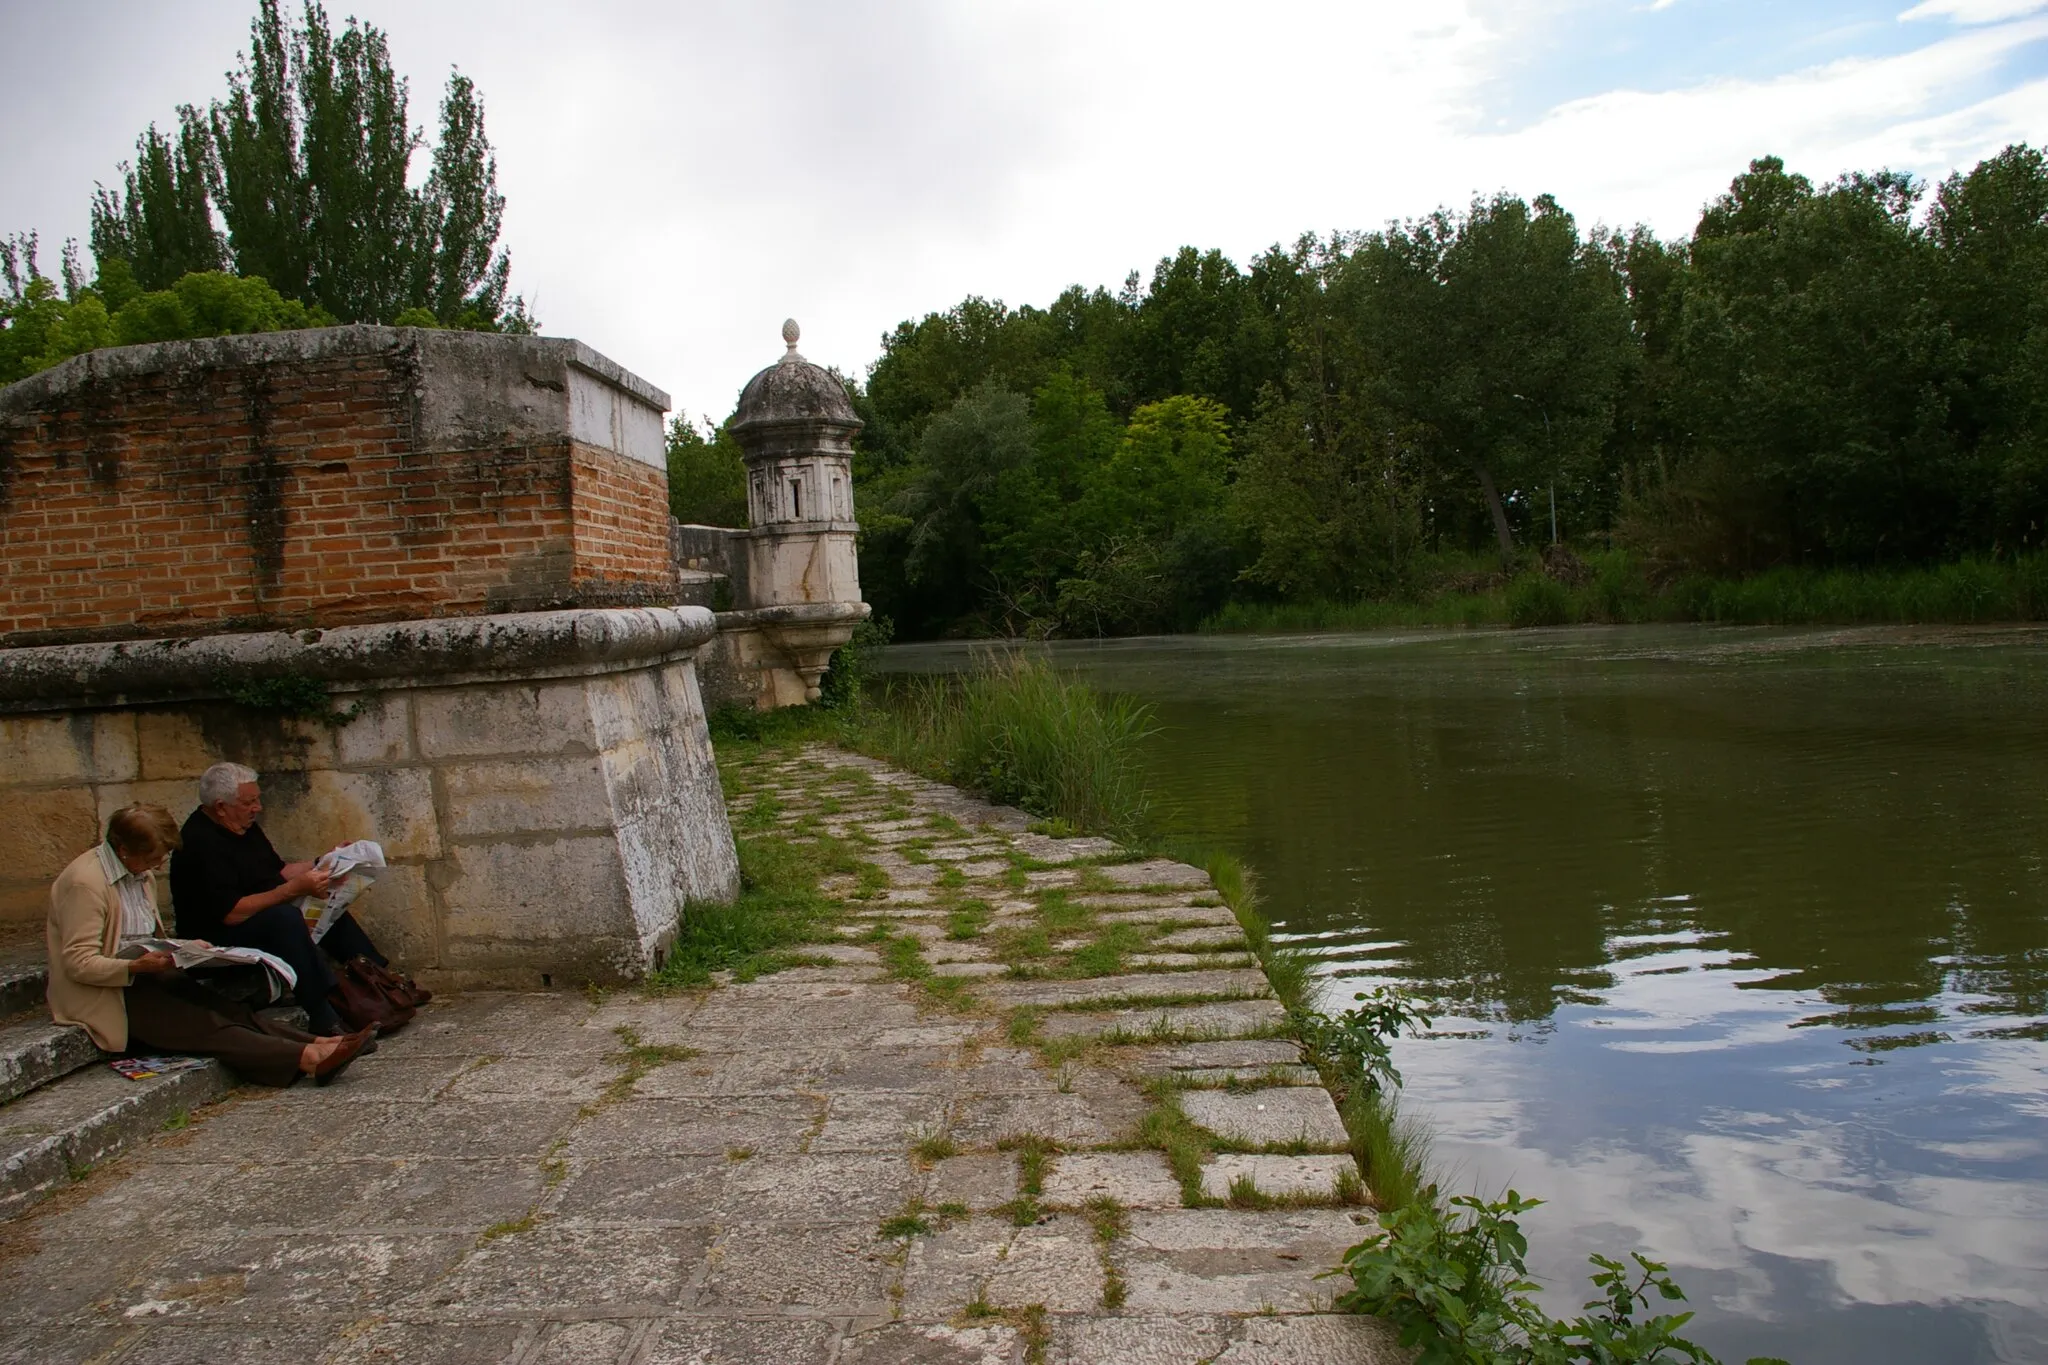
[(790, 332)]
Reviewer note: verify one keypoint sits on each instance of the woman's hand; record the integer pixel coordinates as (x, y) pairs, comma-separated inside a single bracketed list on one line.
[(151, 964)]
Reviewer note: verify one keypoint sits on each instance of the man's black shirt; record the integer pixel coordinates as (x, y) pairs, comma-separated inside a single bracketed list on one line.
[(214, 869)]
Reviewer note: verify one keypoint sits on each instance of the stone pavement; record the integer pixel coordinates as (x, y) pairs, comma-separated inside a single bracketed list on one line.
[(1032, 1106)]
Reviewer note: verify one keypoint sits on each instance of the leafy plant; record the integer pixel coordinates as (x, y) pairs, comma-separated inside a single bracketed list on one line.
[(1456, 1284), (1359, 1042), (291, 694)]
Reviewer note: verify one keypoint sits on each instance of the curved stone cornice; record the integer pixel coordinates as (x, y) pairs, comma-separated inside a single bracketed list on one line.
[(425, 653)]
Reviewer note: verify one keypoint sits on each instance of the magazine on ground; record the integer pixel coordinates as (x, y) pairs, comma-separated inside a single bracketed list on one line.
[(353, 867), (143, 1068)]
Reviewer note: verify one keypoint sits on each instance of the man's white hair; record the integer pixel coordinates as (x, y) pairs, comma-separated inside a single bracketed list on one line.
[(223, 782)]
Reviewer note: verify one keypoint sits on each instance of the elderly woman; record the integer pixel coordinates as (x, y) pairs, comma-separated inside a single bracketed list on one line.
[(108, 895)]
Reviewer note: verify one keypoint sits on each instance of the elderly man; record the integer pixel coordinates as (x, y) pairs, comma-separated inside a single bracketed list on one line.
[(228, 885)]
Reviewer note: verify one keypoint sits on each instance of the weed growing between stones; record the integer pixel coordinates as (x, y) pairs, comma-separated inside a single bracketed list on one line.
[(638, 1058), (932, 1148), (1028, 1322), (919, 1219), (1110, 1222), (966, 920), (510, 1227)]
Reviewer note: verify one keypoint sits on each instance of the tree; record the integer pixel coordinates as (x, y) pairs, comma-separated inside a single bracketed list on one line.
[(966, 454), (1502, 336), (1990, 227), (307, 163), (160, 223), (707, 475), (1328, 489), (1817, 372)]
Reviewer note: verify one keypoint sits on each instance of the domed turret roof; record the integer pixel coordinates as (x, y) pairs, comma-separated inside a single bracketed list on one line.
[(793, 390)]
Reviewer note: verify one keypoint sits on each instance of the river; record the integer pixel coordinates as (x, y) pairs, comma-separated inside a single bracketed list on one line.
[(1738, 939)]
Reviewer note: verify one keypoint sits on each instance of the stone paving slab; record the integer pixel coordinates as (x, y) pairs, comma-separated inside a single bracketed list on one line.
[(1277, 1176), (1228, 984), (827, 1164), (1274, 1116)]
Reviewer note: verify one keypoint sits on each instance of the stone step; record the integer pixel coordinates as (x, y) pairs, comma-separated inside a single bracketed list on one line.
[(55, 1133), (35, 1052), (22, 982)]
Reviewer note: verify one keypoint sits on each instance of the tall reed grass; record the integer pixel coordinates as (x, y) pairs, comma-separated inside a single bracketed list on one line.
[(1020, 734)]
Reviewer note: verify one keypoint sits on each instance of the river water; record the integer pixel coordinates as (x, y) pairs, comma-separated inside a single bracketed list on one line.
[(1738, 940)]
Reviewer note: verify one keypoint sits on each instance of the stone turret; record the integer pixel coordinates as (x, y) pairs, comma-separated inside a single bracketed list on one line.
[(791, 580), (796, 428)]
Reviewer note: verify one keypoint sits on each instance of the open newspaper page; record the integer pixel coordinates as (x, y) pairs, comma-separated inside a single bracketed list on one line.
[(187, 953), (353, 867)]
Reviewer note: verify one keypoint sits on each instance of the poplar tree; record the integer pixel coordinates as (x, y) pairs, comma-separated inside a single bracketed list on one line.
[(160, 221), (306, 163)]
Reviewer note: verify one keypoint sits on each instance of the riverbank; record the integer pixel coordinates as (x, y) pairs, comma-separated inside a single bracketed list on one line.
[(1609, 587), (1021, 1098)]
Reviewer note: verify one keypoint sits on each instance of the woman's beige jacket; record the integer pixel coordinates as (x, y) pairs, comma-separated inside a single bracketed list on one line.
[(86, 979)]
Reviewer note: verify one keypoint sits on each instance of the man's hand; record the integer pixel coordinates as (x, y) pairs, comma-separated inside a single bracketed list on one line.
[(151, 964), (312, 882)]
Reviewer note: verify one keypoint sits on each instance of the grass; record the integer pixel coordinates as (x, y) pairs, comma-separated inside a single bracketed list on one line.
[(1618, 590), (967, 919), (1110, 1221), (779, 907), (1020, 734), (511, 1227), (1392, 1153), (638, 1059)]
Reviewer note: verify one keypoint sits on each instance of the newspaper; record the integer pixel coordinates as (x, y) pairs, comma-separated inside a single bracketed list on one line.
[(187, 953), (353, 867), (145, 1068)]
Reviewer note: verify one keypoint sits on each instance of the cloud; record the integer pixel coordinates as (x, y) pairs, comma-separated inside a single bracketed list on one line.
[(1973, 11)]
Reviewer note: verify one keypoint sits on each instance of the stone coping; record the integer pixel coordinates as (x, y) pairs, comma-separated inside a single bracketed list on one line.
[(795, 614), (314, 343), (421, 653)]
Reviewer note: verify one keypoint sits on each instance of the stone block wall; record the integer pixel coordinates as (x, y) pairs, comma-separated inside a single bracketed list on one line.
[(543, 784), (326, 477)]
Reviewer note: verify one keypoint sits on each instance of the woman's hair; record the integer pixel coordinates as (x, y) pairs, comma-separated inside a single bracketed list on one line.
[(223, 782), (143, 830)]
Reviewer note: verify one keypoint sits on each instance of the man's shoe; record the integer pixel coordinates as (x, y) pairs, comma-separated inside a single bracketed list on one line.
[(336, 1062)]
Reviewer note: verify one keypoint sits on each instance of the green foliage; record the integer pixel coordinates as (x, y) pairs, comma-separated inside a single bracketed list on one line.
[(844, 685), (1016, 731), (289, 694), (1359, 1042), (707, 475), (1536, 599), (779, 907), (1820, 378), (1456, 1284)]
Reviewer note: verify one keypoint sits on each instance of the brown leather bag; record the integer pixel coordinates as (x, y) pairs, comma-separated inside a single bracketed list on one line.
[(400, 988), (361, 1001)]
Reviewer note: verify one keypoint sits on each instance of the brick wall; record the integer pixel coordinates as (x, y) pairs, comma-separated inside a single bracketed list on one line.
[(621, 522), (317, 489)]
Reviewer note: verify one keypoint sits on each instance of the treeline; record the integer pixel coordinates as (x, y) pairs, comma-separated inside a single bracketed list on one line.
[(1837, 376), (287, 203)]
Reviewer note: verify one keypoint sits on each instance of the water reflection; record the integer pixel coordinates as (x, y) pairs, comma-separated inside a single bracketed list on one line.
[(1740, 939)]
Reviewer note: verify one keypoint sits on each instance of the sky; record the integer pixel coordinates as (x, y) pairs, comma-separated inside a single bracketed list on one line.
[(682, 176)]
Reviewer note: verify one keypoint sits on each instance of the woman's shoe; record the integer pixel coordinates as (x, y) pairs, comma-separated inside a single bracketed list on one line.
[(336, 1062)]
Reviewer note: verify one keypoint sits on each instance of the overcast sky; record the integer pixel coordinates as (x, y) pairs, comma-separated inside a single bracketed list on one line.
[(681, 176)]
